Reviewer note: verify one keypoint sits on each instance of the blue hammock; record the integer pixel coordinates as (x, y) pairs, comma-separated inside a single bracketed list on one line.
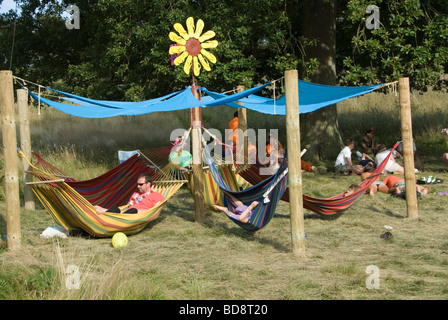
[(268, 193)]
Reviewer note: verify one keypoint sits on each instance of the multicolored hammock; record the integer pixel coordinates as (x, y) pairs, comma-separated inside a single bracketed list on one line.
[(212, 193), (111, 188), (323, 206), (74, 210), (267, 193)]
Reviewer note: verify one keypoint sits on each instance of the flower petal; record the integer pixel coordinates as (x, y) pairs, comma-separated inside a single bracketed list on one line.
[(204, 62), (187, 65), (175, 38), (208, 35), (196, 66), (180, 58), (179, 28), (177, 49), (209, 44), (209, 55), (190, 27), (199, 28)]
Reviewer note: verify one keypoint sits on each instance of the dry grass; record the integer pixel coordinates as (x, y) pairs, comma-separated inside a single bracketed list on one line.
[(177, 258)]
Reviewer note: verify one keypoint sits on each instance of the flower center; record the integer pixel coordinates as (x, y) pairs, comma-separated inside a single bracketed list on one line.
[(193, 47)]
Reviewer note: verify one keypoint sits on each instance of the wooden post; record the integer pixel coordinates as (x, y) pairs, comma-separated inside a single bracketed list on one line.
[(294, 163), (198, 180), (10, 155), (25, 145), (242, 127), (408, 148)]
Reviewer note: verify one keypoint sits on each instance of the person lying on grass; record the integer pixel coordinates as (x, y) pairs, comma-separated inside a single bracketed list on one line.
[(142, 200), (398, 185), (241, 212)]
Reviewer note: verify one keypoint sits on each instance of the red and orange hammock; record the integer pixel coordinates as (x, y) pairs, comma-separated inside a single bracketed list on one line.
[(331, 206)]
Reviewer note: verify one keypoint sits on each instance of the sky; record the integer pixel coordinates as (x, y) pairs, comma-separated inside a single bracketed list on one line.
[(7, 5)]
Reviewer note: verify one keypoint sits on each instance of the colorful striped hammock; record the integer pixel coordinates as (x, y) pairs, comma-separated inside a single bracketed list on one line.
[(73, 208), (212, 193), (267, 193)]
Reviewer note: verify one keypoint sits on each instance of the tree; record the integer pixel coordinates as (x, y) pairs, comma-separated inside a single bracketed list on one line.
[(319, 129), (411, 41)]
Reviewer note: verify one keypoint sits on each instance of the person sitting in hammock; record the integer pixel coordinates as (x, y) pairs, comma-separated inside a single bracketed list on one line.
[(180, 158), (142, 200), (241, 212)]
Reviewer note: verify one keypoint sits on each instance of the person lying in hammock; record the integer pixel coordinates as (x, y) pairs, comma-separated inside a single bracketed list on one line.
[(142, 200), (241, 212)]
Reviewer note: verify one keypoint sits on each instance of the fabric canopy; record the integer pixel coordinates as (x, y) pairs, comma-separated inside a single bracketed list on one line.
[(311, 97)]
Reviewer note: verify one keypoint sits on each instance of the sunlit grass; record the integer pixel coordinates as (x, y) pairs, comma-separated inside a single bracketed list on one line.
[(177, 258)]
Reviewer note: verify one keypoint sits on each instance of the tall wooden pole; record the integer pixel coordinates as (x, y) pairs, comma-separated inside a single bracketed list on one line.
[(25, 145), (294, 163), (198, 176), (408, 148), (242, 127), (10, 155)]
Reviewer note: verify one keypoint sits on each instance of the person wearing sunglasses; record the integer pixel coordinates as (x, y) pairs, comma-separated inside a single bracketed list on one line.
[(142, 200)]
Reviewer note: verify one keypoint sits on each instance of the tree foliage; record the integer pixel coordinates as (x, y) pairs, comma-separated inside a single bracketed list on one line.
[(121, 49), (410, 42)]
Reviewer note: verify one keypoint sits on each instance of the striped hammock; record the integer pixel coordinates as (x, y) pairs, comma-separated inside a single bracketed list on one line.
[(114, 187), (212, 193), (323, 206), (268, 193), (73, 209)]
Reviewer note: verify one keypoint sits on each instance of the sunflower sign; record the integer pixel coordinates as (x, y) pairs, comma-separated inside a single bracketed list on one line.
[(191, 46)]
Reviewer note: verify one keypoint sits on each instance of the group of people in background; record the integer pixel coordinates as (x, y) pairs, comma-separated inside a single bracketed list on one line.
[(370, 156)]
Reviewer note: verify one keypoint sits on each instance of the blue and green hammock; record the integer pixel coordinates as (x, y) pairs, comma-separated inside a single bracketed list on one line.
[(268, 193)]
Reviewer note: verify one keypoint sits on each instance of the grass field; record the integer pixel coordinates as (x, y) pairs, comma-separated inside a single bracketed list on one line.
[(177, 258)]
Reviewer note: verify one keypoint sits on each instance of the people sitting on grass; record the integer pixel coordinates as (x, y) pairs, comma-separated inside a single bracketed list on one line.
[(366, 144), (142, 200), (344, 164), (392, 166)]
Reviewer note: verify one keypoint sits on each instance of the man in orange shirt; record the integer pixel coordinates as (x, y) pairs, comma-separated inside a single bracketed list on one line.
[(398, 185), (142, 200), (233, 132)]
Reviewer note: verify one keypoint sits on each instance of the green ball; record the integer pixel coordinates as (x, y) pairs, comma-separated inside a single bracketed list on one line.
[(119, 240)]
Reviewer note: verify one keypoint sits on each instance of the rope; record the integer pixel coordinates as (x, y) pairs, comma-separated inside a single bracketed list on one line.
[(13, 40)]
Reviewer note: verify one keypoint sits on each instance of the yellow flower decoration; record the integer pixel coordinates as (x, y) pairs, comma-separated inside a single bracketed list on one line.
[(192, 46)]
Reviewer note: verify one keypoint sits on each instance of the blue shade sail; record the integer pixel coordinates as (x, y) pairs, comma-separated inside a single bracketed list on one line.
[(311, 98)]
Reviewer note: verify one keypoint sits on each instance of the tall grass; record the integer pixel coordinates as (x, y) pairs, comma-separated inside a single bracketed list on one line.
[(177, 258)]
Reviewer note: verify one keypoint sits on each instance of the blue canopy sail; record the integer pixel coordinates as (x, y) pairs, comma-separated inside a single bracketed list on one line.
[(311, 97)]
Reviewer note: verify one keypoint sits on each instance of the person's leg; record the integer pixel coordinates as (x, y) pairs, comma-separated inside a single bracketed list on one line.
[(422, 190), (223, 209), (383, 188), (235, 200)]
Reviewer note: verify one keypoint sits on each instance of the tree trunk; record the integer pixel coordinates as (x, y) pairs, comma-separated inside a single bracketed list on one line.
[(320, 129)]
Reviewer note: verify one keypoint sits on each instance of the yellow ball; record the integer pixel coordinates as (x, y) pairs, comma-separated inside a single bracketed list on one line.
[(119, 240)]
